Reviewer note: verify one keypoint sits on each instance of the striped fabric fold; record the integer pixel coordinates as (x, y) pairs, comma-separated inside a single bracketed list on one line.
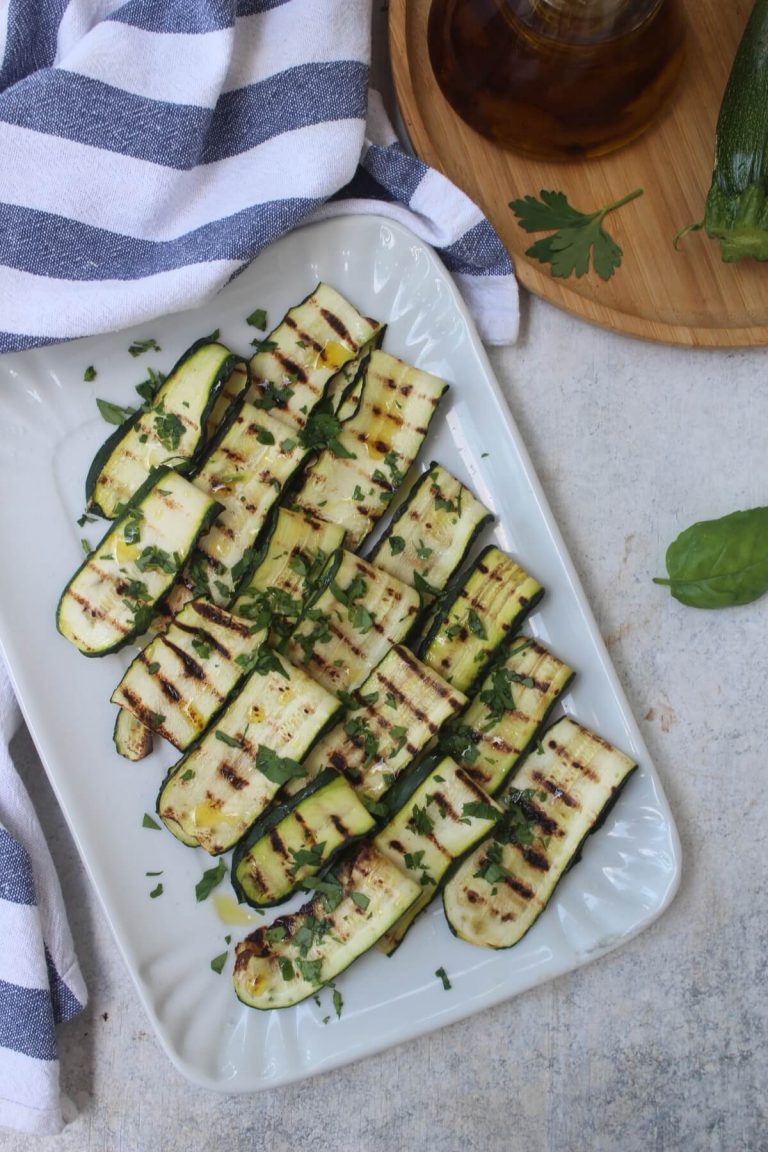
[(40, 981), (150, 149)]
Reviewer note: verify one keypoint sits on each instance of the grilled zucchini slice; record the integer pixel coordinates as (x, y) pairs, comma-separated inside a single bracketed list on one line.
[(114, 594), (183, 677), (222, 785), (285, 571), (553, 803), (503, 720), (357, 613), (307, 348), (399, 709), (442, 820), (132, 739), (284, 963), (378, 445), (298, 840), (170, 429), (245, 473), (228, 397), (485, 612), (432, 532)]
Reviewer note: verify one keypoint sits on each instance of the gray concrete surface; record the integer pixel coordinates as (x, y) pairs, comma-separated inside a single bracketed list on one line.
[(659, 1047)]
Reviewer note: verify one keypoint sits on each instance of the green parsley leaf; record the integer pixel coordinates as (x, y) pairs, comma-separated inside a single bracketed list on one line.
[(113, 413), (391, 701), (264, 346), (264, 436), (423, 587), (479, 810), (287, 445), (286, 968), (139, 347), (158, 891), (311, 970), (188, 774), (422, 551), (307, 857), (218, 962), (210, 879), (461, 743), (443, 975), (420, 821), (360, 900), (361, 619), (154, 873), (358, 494), (276, 768), (322, 431), (476, 625), (169, 429), (330, 889), (230, 741), (338, 1003), (148, 822), (85, 547), (202, 647), (85, 519), (396, 545), (498, 697), (275, 933), (399, 735), (576, 236), (89, 374), (155, 558), (153, 667), (257, 319), (262, 662)]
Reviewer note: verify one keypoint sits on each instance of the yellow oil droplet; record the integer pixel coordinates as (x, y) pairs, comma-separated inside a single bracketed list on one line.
[(123, 552), (334, 354), (206, 816), (230, 912), (255, 714)]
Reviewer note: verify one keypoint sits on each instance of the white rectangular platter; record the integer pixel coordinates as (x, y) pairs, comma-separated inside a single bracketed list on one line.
[(51, 429)]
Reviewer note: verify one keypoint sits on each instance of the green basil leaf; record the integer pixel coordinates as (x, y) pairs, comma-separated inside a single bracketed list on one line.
[(720, 563)]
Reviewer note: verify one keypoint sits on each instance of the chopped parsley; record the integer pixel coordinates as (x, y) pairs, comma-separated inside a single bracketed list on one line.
[(89, 374), (307, 857), (443, 975), (311, 970), (264, 436), (276, 768), (320, 634), (148, 822), (157, 559), (360, 900), (400, 736), (169, 428), (272, 395), (218, 962), (396, 545), (153, 667), (230, 741), (209, 880), (478, 810), (257, 319), (139, 347), (113, 413), (461, 743), (422, 551), (158, 891), (286, 968), (330, 890), (202, 647), (498, 696), (322, 431), (275, 933), (361, 735), (476, 625), (262, 662), (420, 821)]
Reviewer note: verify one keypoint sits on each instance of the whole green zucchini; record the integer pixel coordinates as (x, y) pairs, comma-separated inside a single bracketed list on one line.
[(737, 205)]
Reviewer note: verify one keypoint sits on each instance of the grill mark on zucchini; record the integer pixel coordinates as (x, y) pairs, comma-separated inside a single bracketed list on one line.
[(339, 327), (228, 773), (277, 844), (290, 366), (302, 336), (100, 614), (191, 666), (563, 752), (554, 791)]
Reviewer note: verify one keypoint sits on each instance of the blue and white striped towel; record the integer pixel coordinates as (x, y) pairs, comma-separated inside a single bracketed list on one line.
[(40, 981), (150, 149)]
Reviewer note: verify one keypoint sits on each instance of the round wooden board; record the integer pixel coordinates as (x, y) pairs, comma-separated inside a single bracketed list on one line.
[(679, 297)]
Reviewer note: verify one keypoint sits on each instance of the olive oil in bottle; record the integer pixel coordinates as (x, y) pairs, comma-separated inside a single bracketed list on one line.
[(557, 78)]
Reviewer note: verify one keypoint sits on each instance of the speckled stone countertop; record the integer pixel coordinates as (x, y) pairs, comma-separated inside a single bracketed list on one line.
[(661, 1046)]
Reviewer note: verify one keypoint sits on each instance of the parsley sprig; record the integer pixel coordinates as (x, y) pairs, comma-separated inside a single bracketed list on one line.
[(576, 236)]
